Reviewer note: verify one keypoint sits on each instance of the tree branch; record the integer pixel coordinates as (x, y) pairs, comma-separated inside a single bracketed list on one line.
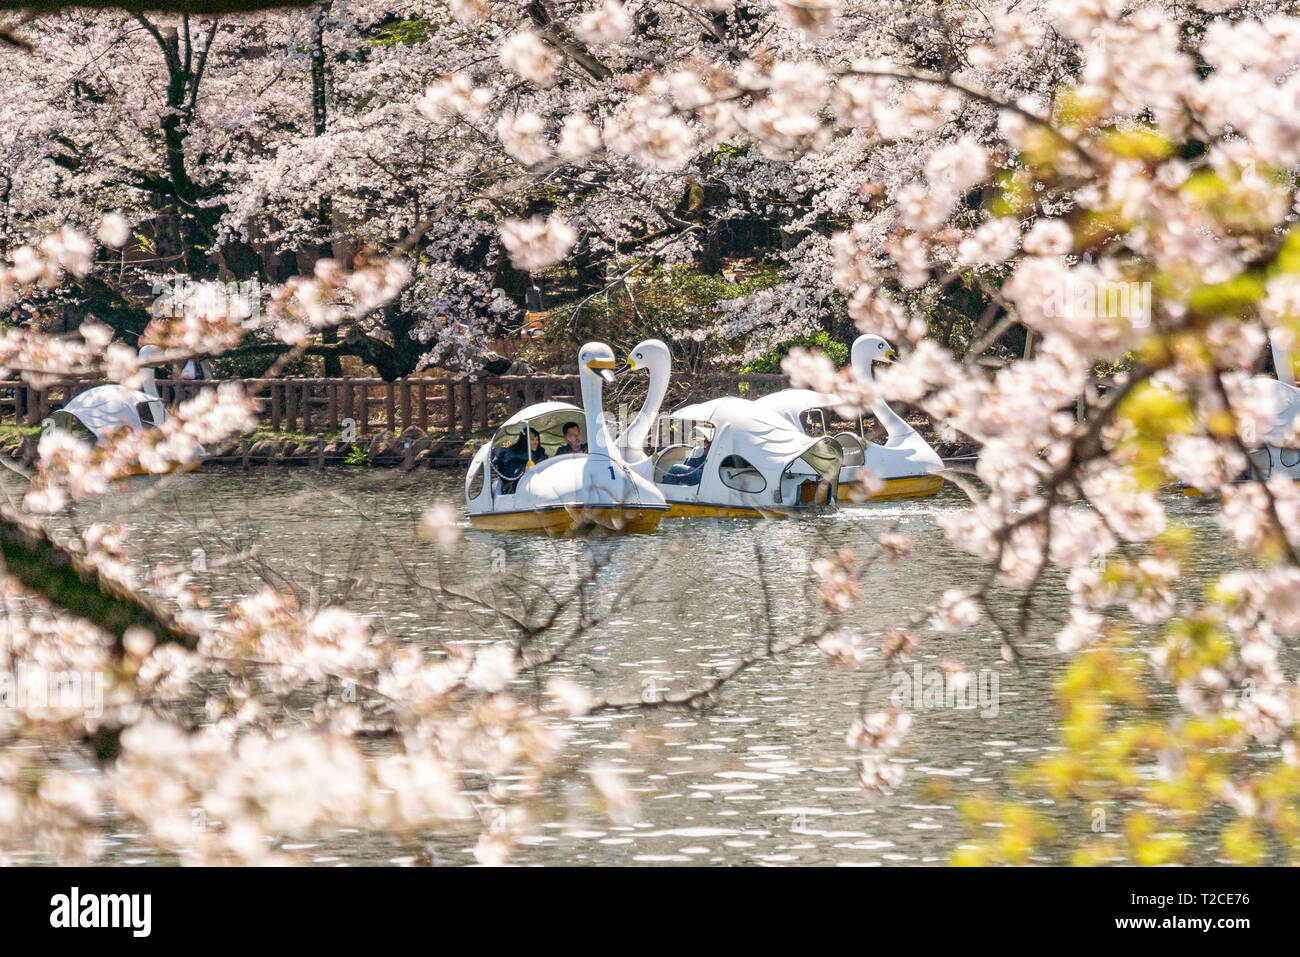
[(66, 580)]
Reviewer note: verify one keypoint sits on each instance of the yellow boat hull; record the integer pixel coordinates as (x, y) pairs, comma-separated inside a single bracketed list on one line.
[(179, 468), (696, 510), (565, 520), (915, 486)]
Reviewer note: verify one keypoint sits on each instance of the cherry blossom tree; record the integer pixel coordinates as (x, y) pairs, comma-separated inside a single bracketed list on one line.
[(1083, 171)]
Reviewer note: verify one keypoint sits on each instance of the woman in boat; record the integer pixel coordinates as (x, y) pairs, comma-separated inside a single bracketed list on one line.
[(513, 460)]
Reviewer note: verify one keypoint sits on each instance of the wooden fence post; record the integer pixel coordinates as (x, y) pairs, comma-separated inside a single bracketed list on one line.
[(320, 406), (466, 408)]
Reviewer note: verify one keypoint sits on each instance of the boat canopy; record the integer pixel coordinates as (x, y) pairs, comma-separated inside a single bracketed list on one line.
[(760, 436), (103, 409), (790, 404), (547, 419)]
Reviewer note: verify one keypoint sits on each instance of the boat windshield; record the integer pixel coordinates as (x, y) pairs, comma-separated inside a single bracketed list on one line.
[(825, 457)]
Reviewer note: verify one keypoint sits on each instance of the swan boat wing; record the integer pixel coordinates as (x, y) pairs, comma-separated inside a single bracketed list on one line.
[(106, 408)]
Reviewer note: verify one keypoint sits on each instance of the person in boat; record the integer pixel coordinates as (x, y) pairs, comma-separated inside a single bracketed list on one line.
[(513, 460), (690, 470), (572, 440)]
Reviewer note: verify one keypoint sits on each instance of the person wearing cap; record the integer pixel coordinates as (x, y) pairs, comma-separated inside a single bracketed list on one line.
[(691, 469)]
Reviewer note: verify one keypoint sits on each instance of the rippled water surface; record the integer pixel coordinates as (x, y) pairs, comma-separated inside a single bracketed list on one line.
[(765, 776)]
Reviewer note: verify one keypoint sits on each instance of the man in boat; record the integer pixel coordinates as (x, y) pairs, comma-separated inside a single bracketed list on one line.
[(690, 470), (572, 440)]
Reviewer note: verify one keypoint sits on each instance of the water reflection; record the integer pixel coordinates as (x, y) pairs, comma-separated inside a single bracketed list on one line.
[(763, 778)]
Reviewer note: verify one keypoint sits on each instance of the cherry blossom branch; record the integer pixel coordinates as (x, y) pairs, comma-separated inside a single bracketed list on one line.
[(66, 580)]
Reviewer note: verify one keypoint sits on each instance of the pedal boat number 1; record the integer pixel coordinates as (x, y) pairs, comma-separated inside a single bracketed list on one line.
[(524, 480)]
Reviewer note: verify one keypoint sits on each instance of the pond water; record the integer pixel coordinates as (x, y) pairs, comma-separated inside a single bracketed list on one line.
[(763, 777)]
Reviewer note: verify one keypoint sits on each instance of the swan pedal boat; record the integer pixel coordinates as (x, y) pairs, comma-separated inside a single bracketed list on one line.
[(1273, 457), (905, 466), (567, 493), (97, 413), (907, 454), (756, 466)]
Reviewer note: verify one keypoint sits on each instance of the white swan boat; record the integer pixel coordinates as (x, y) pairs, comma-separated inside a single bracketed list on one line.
[(107, 408), (524, 481), (906, 465), (1273, 456), (754, 465), (99, 412)]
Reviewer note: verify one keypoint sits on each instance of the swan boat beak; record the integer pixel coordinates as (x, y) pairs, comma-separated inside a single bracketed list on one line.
[(890, 354), (604, 366)]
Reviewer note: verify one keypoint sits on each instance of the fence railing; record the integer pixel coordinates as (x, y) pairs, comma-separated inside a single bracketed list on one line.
[(312, 406)]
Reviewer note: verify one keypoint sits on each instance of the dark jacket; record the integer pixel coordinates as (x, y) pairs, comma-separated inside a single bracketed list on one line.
[(513, 459)]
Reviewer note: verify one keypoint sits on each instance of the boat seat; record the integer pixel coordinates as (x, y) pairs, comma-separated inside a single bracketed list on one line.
[(667, 458)]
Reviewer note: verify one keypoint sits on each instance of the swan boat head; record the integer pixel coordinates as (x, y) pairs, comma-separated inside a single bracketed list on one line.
[(868, 350), (653, 356), (596, 365)]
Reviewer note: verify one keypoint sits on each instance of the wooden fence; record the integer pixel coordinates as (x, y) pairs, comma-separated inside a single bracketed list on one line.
[(312, 406)]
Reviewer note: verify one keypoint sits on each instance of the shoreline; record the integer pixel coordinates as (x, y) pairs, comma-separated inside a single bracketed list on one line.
[(410, 450)]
